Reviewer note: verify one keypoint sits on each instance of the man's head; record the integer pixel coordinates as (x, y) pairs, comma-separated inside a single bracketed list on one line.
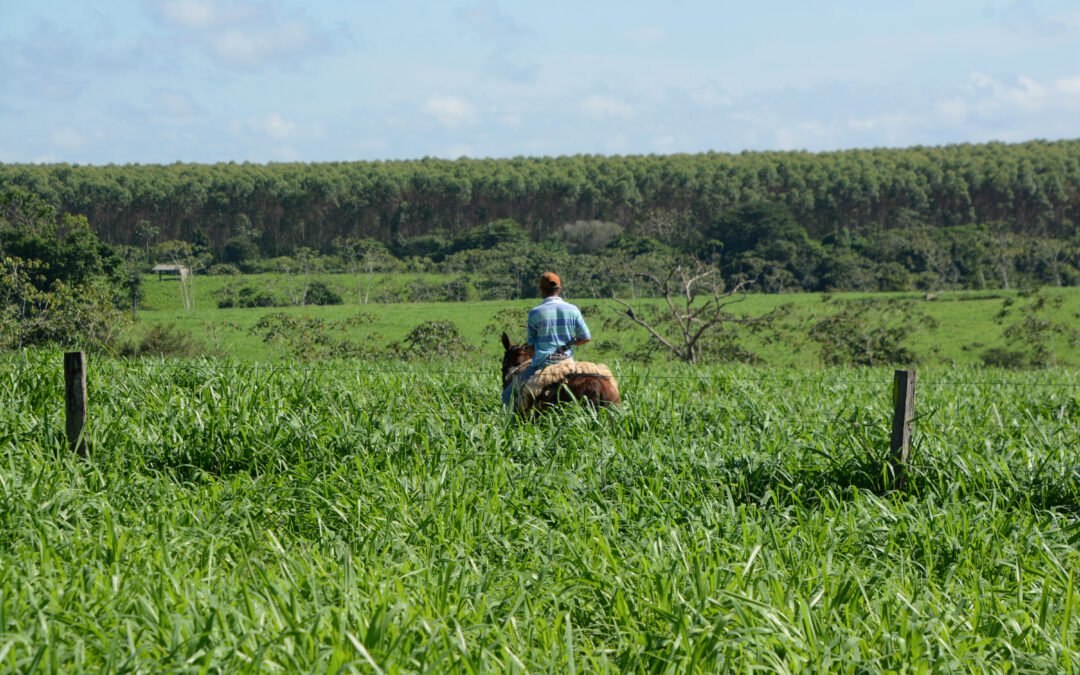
[(550, 284)]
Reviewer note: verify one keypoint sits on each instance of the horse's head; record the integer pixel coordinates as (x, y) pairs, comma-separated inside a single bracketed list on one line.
[(513, 356)]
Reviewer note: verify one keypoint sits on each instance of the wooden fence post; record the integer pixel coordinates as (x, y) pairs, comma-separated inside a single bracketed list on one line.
[(75, 400), (903, 416)]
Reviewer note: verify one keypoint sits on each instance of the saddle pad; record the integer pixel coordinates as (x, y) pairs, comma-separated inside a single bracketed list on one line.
[(556, 373)]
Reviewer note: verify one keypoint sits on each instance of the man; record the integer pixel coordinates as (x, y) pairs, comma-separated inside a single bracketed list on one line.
[(555, 326)]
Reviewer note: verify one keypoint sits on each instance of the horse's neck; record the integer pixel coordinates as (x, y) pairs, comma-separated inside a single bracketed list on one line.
[(515, 371)]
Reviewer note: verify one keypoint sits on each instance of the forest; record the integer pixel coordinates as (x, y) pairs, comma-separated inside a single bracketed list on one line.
[(990, 215)]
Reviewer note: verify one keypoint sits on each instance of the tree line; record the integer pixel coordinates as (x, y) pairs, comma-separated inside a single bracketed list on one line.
[(1033, 188), (961, 216)]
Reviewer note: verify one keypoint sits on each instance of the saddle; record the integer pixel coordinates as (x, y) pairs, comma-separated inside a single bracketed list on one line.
[(527, 391)]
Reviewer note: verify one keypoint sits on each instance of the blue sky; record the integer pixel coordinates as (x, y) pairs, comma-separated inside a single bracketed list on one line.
[(158, 81)]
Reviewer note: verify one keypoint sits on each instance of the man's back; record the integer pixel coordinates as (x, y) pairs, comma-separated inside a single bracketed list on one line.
[(553, 324)]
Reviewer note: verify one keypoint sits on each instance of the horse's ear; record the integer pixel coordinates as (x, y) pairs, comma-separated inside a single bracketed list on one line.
[(506, 341)]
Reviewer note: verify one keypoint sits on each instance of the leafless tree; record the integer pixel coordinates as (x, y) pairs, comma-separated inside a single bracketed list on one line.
[(696, 304)]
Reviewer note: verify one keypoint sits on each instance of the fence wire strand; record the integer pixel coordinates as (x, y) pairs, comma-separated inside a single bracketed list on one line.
[(270, 368)]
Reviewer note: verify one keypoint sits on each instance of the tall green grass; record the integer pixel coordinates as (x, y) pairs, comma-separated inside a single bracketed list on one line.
[(238, 517)]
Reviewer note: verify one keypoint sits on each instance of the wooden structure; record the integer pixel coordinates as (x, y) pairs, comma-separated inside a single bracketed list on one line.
[(164, 270), (75, 400), (903, 420)]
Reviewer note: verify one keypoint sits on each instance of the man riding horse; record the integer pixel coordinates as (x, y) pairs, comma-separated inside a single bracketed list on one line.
[(554, 328)]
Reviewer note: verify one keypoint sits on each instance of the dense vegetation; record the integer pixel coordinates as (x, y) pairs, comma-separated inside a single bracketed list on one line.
[(246, 518), (973, 216), (1033, 187)]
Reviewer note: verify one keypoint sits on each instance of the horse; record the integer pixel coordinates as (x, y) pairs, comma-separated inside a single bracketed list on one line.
[(587, 383)]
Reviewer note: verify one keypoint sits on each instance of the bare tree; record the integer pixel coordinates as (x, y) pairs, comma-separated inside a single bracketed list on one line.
[(182, 256), (696, 305)]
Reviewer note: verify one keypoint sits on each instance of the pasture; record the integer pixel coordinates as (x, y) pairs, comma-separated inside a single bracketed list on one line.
[(952, 328), (365, 517)]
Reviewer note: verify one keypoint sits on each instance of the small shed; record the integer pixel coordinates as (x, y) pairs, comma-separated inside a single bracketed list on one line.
[(170, 271)]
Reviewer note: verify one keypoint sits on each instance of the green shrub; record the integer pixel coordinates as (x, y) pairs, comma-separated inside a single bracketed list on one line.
[(166, 340), (431, 339), (223, 270), (308, 338), (247, 296), (864, 334), (999, 357), (318, 293)]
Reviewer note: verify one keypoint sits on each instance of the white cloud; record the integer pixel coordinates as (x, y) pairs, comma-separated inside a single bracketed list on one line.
[(242, 33), (803, 135), (273, 125), (174, 104), (663, 144), (709, 96), (602, 106), (1026, 95), (250, 48), (862, 124), (67, 138), (1069, 86), (459, 150), (450, 111), (954, 110), (190, 13), (1024, 17), (618, 145)]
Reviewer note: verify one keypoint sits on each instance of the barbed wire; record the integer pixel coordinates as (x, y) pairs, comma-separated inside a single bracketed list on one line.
[(494, 372), (762, 422)]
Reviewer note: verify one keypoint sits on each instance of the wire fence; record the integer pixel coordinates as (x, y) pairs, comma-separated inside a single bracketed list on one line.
[(808, 429), (649, 374)]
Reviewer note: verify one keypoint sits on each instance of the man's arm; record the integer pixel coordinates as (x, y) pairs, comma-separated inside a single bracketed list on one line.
[(581, 331), (530, 330)]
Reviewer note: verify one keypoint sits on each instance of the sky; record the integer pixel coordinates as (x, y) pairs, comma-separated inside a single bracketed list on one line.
[(161, 81)]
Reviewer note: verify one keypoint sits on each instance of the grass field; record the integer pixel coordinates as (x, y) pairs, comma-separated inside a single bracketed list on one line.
[(963, 323), (342, 517)]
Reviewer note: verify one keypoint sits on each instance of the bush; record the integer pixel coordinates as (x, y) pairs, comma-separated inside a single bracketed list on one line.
[(318, 293), (460, 289), (860, 335), (588, 236), (310, 339), (999, 357), (247, 296), (223, 270), (162, 341), (497, 289), (85, 316), (433, 246), (433, 339), (239, 250)]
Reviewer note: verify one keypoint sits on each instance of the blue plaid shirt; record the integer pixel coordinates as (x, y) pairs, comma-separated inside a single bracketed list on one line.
[(552, 324)]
